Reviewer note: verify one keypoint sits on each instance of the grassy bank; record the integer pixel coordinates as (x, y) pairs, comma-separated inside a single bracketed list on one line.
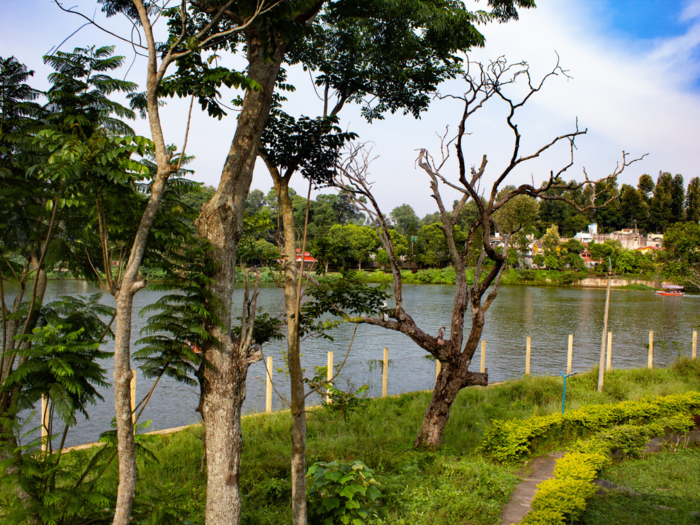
[(453, 485), (665, 491), (511, 277)]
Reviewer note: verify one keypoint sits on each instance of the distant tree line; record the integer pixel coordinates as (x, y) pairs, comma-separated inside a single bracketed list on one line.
[(338, 234)]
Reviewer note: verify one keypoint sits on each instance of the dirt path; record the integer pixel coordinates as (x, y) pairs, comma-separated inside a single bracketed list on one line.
[(540, 469)]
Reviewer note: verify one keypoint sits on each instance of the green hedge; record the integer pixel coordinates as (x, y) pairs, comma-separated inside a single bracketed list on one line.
[(563, 498), (510, 441)]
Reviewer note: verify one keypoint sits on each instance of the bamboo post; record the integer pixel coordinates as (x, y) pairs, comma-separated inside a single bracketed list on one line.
[(527, 356), (133, 396), (44, 423), (609, 364), (650, 361), (601, 365), (385, 373), (483, 356), (695, 345), (268, 390), (570, 354), (438, 367), (329, 373)]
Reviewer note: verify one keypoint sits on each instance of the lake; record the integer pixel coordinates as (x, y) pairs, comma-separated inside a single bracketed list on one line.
[(547, 314)]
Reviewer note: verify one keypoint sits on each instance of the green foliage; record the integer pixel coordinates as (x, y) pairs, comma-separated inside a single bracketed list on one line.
[(345, 297), (432, 245), (342, 493), (663, 481), (509, 441), (455, 485), (59, 491), (552, 262), (61, 361), (681, 255), (177, 327), (361, 240), (563, 498)]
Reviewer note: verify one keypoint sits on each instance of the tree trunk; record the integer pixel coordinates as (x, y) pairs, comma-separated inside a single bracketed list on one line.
[(221, 223), (293, 356), (124, 297), (122, 407), (451, 379)]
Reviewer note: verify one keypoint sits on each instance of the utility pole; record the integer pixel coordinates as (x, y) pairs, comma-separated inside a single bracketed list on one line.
[(601, 367)]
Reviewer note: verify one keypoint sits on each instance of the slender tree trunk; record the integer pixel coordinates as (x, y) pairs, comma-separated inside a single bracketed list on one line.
[(122, 407), (124, 296), (221, 223), (293, 356)]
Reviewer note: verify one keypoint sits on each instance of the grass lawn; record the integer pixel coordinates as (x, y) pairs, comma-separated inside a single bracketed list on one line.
[(668, 479), (454, 485)]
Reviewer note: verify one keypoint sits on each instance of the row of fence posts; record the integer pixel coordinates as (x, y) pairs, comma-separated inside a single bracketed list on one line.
[(385, 374), (528, 347)]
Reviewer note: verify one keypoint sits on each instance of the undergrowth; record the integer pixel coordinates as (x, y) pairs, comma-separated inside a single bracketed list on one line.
[(454, 485)]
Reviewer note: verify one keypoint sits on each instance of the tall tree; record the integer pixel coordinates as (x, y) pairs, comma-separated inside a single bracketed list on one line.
[(692, 201), (198, 27), (386, 56), (634, 211), (646, 187), (678, 198), (608, 217), (403, 216), (661, 207)]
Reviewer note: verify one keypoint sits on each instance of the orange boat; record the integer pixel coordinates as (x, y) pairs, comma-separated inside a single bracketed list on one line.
[(671, 290)]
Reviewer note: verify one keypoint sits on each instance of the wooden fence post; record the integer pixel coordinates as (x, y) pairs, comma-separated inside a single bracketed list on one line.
[(385, 373), (527, 356), (44, 423), (570, 355), (133, 396), (650, 361), (609, 365), (483, 356), (268, 390), (695, 345), (329, 372)]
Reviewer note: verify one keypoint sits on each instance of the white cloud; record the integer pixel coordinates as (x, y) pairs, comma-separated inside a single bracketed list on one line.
[(631, 95), (640, 96)]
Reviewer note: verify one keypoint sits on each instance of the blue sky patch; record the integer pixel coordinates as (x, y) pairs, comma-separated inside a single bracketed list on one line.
[(646, 19)]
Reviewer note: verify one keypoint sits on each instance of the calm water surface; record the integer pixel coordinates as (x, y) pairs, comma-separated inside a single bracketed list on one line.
[(548, 315)]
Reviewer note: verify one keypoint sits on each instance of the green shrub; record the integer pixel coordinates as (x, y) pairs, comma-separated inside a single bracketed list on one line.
[(563, 498), (527, 275), (508, 441), (559, 501), (342, 492)]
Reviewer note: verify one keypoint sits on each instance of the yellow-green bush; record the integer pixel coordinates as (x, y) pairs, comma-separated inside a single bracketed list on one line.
[(508, 441), (563, 498)]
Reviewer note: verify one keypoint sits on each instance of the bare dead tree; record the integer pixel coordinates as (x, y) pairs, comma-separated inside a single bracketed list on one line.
[(483, 83)]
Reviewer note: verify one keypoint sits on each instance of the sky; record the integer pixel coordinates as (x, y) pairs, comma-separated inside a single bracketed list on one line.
[(635, 86)]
